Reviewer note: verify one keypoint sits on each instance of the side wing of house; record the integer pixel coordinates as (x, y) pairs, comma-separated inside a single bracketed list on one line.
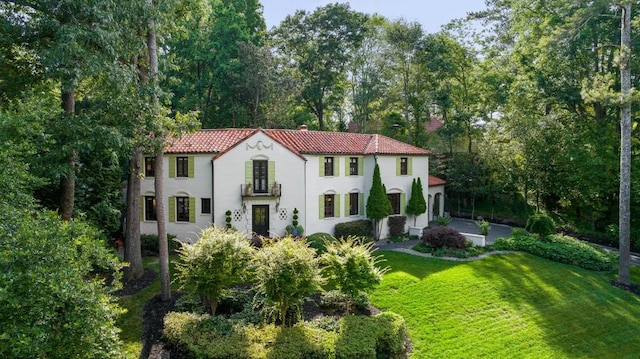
[(188, 191), (259, 182)]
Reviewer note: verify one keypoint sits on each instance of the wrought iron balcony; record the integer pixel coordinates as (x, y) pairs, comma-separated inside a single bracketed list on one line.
[(273, 191)]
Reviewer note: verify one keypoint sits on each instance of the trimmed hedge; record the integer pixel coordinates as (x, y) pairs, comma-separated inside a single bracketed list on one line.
[(361, 228), (380, 336), (397, 225), (560, 248), (541, 224), (149, 244), (318, 241)]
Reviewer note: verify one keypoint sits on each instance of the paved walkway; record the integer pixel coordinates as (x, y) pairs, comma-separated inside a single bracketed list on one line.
[(469, 226)]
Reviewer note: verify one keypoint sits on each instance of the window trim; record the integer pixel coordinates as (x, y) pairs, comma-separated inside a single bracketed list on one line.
[(260, 165), (150, 215), (205, 205), (404, 166), (354, 166), (149, 166), (395, 202), (182, 166), (329, 206), (354, 204), (329, 163)]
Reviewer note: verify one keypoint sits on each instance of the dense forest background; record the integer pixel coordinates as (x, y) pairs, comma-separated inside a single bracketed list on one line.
[(525, 93)]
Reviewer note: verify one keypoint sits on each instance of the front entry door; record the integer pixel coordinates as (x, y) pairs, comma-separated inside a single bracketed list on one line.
[(260, 220)]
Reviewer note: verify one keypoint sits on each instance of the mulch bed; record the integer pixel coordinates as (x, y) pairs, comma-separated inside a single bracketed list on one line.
[(133, 286)]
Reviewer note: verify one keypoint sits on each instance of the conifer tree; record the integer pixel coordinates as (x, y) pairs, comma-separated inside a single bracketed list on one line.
[(417, 204), (378, 205)]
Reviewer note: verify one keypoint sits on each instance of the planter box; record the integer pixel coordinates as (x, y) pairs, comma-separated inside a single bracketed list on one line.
[(415, 231), (477, 239)]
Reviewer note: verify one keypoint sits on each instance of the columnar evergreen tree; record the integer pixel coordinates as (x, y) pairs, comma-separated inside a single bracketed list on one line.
[(417, 204), (378, 205)]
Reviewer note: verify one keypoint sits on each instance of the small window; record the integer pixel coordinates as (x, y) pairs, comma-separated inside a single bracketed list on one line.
[(205, 204), (328, 166), (394, 198), (182, 204), (150, 208), (149, 166), (329, 202), (404, 166), (182, 166), (354, 203), (353, 166)]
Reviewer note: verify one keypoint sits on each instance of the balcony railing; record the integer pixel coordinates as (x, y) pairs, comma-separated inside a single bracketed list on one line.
[(247, 190)]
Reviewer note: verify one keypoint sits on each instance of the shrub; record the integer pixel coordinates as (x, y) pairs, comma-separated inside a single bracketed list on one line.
[(216, 261), (350, 265), (149, 243), (337, 300), (444, 237), (483, 227), (318, 241), (285, 272), (190, 303), (360, 228), (381, 336), (443, 220), (227, 219), (397, 225), (559, 248), (541, 224)]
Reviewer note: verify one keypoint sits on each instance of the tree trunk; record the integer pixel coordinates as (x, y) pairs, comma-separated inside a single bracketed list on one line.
[(132, 250), (68, 182), (624, 274)]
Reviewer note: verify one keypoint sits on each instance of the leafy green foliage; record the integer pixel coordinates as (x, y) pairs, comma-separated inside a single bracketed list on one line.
[(362, 228), (444, 237), (443, 220), (397, 225), (378, 205), (53, 299), (559, 248), (318, 241), (381, 336), (541, 224), (417, 204), (285, 271), (149, 243), (350, 265), (483, 226), (217, 260)]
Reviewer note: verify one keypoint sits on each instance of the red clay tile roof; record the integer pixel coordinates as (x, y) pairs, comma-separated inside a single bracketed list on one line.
[(298, 142), (432, 125), (435, 181)]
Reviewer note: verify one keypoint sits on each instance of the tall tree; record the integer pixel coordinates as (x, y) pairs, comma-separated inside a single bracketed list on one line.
[(378, 205), (320, 45), (417, 204)]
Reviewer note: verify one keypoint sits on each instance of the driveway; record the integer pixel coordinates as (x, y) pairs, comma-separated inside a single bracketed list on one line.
[(469, 226)]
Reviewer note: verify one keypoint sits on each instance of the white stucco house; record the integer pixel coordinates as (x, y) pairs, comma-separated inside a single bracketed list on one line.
[(262, 175)]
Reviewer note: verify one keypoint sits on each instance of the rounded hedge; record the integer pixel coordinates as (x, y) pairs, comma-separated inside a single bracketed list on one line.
[(541, 224)]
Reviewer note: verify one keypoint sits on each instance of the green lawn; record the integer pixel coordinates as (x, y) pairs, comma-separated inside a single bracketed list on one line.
[(509, 306)]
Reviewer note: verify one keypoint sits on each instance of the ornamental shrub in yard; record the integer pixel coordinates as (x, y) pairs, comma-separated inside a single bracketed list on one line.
[(444, 237), (541, 224)]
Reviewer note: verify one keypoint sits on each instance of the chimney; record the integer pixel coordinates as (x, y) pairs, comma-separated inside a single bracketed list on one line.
[(302, 128)]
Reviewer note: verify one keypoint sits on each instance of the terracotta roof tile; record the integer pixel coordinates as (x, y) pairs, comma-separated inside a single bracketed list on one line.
[(435, 181), (432, 125), (299, 142)]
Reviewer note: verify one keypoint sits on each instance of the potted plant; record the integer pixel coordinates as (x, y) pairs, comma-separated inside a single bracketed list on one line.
[(248, 189), (275, 189), (294, 229)]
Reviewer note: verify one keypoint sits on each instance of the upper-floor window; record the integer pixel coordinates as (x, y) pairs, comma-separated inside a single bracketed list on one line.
[(329, 205), (149, 166), (354, 203), (328, 166), (404, 166), (205, 205), (353, 166), (394, 198), (260, 176), (182, 166), (182, 213), (150, 208)]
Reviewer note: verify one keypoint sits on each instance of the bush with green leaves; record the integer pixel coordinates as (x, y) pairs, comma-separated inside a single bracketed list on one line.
[(318, 241), (54, 302), (285, 272), (204, 336), (541, 224), (219, 259), (149, 243), (560, 248), (443, 220), (483, 227), (444, 237), (350, 265), (361, 228)]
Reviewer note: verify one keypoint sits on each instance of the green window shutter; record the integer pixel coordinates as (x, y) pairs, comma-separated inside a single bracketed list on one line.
[(248, 172), (409, 165), (360, 166), (192, 209), (172, 166), (347, 204), (172, 209), (321, 207), (321, 160), (362, 207), (142, 204), (336, 206), (336, 166), (347, 164), (403, 203), (271, 173), (398, 166), (191, 170)]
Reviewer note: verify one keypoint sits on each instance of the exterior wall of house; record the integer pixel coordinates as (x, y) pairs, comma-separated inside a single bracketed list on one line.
[(436, 202), (233, 171), (195, 188)]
